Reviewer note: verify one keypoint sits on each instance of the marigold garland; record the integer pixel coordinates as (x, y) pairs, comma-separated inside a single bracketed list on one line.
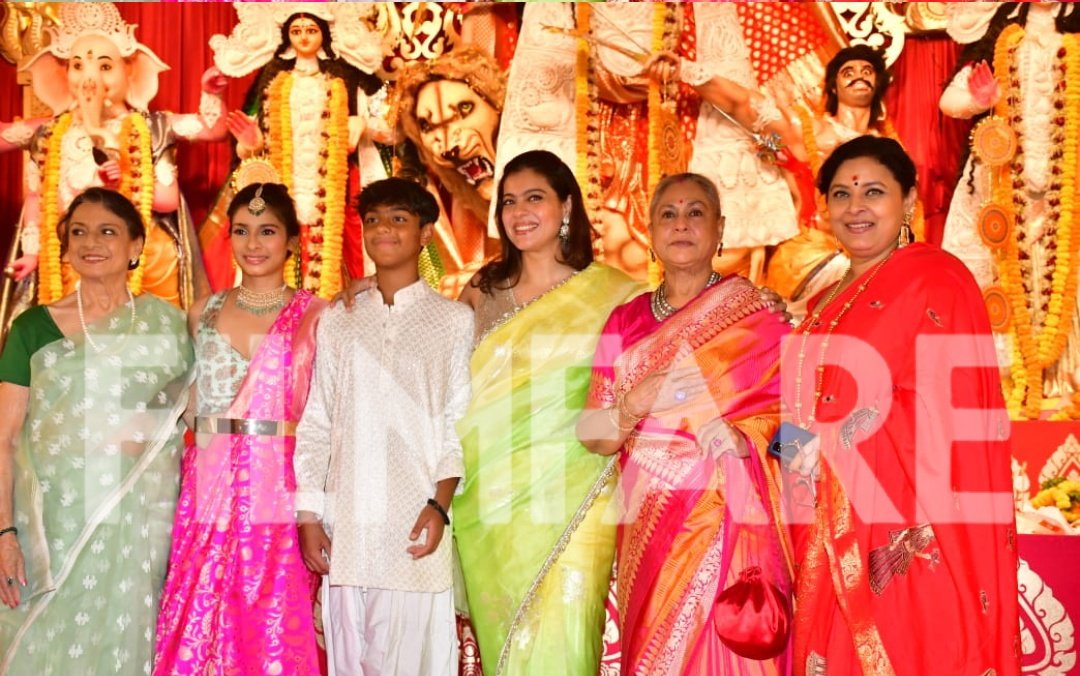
[(337, 173), (136, 183), (583, 16), (50, 283), (323, 260), (1033, 354), (661, 37)]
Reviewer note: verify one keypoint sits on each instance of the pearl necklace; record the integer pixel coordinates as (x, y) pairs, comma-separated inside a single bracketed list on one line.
[(809, 324), (260, 302), (82, 317), (661, 308)]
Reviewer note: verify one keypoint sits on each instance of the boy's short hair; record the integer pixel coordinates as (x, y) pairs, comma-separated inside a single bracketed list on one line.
[(399, 192)]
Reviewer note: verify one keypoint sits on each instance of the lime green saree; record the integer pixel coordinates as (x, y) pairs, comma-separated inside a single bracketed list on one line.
[(534, 538)]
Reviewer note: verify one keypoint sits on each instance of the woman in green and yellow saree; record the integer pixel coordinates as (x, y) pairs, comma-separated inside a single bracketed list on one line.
[(534, 534)]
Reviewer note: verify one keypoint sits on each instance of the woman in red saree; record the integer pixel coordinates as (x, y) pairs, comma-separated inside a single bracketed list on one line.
[(907, 562), (686, 387)]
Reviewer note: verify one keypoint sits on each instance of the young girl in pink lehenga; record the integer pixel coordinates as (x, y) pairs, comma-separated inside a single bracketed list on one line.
[(237, 597)]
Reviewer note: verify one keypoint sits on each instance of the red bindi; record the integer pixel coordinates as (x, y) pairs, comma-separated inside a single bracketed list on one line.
[(855, 180)]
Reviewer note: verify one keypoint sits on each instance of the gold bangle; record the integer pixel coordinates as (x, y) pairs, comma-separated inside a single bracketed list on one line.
[(620, 403), (616, 420)]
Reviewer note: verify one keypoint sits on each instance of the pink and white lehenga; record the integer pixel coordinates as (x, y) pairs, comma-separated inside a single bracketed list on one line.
[(237, 598)]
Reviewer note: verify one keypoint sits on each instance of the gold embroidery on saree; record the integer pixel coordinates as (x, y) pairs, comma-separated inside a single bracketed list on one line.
[(816, 665), (850, 568), (895, 558), (871, 652)]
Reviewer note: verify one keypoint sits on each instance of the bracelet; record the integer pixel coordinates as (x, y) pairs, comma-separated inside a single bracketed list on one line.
[(9, 529), (432, 502), (624, 410), (616, 420)]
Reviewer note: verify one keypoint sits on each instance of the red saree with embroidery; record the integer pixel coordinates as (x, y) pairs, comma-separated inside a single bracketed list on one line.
[(693, 520), (907, 563)]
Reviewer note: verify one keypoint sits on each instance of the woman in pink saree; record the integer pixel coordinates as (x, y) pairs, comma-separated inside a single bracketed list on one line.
[(686, 389), (238, 598)]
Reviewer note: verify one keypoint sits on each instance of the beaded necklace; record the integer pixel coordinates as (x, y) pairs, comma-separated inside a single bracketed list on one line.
[(82, 316), (661, 308), (813, 321)]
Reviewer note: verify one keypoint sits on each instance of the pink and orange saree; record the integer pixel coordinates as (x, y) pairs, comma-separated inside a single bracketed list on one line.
[(693, 520)]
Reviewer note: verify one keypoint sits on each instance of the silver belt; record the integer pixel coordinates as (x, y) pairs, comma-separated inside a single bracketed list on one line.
[(242, 426)]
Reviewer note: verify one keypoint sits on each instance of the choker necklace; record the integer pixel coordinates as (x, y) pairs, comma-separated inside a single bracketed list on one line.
[(661, 308), (82, 317), (260, 302)]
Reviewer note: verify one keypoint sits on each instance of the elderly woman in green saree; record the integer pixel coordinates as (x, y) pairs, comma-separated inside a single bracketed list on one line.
[(534, 545), (91, 392)]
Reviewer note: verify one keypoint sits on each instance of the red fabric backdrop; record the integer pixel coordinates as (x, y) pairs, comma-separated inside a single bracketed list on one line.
[(936, 142), (179, 34)]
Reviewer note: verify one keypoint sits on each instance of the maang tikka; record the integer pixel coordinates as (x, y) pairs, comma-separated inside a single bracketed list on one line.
[(257, 205)]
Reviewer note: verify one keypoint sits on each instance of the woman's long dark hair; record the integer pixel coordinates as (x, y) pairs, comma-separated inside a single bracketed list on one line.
[(576, 250), (332, 65)]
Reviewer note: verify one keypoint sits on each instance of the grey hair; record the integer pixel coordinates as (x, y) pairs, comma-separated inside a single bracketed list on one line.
[(712, 196)]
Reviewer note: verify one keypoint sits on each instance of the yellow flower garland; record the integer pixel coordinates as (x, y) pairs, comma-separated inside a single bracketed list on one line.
[(656, 127), (583, 16), (136, 183), (280, 119), (1033, 354), (50, 283), (336, 166), (327, 260)]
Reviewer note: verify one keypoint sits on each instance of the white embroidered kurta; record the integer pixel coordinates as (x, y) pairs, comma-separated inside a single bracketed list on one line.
[(378, 433)]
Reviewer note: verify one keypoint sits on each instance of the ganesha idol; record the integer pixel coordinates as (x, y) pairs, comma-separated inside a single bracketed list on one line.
[(99, 80), (450, 108)]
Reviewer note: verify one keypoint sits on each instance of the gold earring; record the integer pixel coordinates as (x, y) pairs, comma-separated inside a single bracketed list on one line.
[(652, 255), (906, 235)]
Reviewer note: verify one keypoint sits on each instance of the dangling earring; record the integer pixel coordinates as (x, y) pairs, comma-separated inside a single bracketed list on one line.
[(133, 263), (564, 229), (720, 250), (906, 235), (652, 255)]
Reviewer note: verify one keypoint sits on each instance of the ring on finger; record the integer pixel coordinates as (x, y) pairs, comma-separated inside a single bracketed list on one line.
[(10, 581)]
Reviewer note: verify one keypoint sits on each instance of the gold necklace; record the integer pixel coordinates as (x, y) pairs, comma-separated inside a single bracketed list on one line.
[(811, 322), (260, 302)]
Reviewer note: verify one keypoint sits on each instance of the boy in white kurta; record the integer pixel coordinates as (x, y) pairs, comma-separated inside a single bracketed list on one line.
[(377, 456)]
